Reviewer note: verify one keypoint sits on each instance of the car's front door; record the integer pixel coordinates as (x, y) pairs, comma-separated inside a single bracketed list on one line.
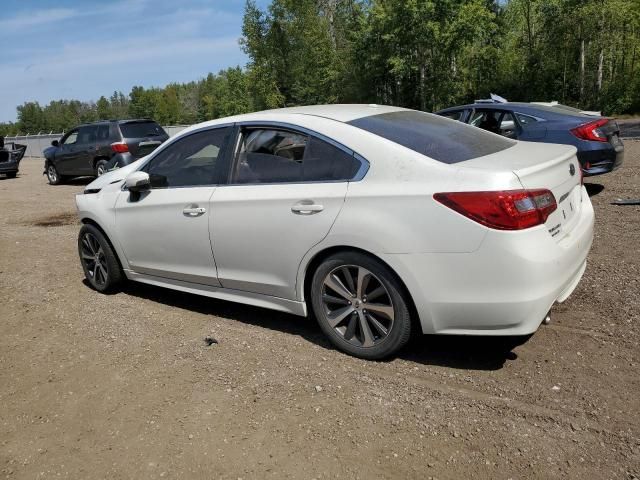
[(497, 121), (284, 192), (165, 232), (67, 153), (83, 162)]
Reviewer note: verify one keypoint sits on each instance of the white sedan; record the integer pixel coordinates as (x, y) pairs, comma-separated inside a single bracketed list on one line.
[(380, 220)]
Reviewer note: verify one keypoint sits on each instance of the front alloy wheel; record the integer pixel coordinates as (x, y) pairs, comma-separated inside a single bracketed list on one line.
[(93, 260), (99, 263), (361, 305), (52, 175)]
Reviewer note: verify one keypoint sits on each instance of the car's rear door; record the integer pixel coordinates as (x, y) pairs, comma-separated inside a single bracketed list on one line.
[(533, 128), (165, 232), (102, 147), (285, 190)]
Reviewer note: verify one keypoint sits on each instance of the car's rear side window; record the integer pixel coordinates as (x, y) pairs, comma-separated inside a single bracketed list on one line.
[(270, 155), (431, 135), (141, 130)]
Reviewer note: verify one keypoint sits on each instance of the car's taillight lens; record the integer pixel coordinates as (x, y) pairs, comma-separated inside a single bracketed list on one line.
[(502, 210), (120, 147), (591, 131)]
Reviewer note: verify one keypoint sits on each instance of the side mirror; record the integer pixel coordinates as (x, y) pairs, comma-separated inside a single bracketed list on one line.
[(55, 143), (138, 181)]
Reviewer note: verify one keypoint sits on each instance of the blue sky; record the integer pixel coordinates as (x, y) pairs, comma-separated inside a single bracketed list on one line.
[(82, 49)]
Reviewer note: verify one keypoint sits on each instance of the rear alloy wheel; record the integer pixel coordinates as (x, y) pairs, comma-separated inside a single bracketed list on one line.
[(101, 167), (100, 265), (360, 306), (52, 175)]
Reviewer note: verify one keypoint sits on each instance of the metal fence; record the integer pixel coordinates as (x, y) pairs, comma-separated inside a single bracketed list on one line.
[(37, 143)]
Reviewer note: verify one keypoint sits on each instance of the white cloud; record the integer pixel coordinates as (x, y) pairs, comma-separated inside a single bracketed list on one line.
[(37, 18)]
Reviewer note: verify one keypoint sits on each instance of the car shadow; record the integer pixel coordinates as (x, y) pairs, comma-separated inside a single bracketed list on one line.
[(78, 180), (593, 189), (454, 351)]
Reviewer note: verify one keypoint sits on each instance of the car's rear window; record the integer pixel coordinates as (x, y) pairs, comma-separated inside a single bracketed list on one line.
[(445, 140), (141, 130)]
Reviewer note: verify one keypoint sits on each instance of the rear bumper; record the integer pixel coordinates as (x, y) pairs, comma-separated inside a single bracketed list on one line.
[(506, 287), (9, 166), (604, 158)]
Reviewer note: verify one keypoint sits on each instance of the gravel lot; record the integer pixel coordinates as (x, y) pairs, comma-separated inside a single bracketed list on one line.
[(124, 386)]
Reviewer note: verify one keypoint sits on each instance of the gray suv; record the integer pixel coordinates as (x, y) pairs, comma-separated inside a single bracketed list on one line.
[(94, 148)]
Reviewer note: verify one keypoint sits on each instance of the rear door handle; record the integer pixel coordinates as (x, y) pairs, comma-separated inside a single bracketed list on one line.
[(306, 208), (193, 211)]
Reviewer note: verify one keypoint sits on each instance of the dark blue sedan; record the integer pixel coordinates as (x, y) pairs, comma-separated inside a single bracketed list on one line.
[(597, 138)]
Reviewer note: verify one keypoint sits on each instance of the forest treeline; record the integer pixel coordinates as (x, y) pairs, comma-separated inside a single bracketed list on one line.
[(415, 53)]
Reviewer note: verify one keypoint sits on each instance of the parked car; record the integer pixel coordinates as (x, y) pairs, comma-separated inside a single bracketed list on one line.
[(597, 138), (10, 155), (94, 148), (382, 221)]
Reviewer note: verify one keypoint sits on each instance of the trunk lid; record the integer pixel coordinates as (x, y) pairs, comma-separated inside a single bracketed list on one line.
[(540, 165), (142, 136)]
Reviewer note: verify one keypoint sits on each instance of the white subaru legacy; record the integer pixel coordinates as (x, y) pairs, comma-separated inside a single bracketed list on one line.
[(379, 220)]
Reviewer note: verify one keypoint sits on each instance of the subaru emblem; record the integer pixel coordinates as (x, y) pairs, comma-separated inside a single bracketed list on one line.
[(572, 169)]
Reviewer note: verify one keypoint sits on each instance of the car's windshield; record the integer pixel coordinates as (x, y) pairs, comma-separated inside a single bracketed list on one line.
[(445, 140)]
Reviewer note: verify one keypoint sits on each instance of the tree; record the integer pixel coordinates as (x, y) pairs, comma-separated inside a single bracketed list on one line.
[(103, 108)]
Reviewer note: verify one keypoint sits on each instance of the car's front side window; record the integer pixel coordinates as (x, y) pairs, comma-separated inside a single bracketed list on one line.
[(189, 161), (283, 156), (454, 115), (70, 139)]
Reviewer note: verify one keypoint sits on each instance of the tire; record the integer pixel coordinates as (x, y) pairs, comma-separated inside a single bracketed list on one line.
[(101, 167), (52, 175), (99, 262), (356, 327), (11, 174)]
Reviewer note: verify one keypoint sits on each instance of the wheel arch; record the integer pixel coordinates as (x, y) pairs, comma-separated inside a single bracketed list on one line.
[(92, 222), (97, 158), (318, 257)]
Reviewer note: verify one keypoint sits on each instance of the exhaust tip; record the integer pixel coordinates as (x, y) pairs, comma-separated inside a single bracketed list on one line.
[(547, 319)]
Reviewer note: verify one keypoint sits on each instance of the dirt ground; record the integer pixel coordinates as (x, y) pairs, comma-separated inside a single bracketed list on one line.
[(124, 386)]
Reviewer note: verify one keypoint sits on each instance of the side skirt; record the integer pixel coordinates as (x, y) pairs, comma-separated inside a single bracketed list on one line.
[(248, 298)]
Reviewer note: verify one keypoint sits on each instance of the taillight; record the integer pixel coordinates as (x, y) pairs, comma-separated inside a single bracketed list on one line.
[(591, 131), (120, 147), (502, 210)]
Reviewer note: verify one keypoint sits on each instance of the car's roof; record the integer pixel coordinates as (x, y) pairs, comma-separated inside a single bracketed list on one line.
[(119, 122), (338, 112), (523, 107)]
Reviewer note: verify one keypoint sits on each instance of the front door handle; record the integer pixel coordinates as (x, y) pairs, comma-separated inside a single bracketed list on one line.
[(193, 211), (304, 208)]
